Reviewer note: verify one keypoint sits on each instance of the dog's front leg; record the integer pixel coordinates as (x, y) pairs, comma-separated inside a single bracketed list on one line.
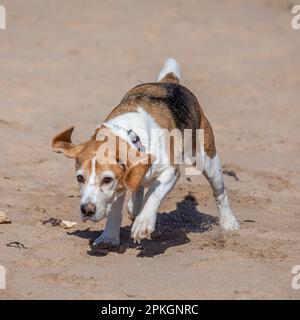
[(135, 203), (111, 233), (144, 223)]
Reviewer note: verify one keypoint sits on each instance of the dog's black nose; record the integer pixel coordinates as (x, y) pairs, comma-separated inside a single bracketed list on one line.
[(88, 209)]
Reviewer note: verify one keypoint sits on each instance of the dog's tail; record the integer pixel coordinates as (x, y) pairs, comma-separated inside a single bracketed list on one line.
[(170, 72)]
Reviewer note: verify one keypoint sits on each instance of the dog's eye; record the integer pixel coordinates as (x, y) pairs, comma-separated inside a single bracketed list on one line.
[(107, 179), (80, 178)]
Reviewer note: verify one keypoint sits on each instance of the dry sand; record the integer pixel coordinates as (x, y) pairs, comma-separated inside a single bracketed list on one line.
[(70, 62)]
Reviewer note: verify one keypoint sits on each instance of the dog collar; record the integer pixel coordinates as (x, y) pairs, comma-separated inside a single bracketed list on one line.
[(135, 139), (132, 136)]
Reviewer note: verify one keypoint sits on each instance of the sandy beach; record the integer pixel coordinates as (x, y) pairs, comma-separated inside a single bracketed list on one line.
[(66, 63)]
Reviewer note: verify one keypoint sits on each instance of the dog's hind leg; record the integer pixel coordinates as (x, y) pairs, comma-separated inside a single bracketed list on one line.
[(213, 172), (135, 202)]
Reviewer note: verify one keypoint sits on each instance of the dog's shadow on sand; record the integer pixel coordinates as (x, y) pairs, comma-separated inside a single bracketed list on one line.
[(171, 230)]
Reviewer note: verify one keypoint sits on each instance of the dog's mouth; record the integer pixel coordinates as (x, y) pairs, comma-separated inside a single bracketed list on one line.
[(96, 217)]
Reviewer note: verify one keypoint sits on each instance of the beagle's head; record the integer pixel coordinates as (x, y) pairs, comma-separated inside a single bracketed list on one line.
[(102, 179)]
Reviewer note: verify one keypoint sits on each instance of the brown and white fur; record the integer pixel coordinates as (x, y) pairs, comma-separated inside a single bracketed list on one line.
[(164, 104)]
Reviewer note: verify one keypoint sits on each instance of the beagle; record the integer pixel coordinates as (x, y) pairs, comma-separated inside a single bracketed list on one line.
[(140, 124)]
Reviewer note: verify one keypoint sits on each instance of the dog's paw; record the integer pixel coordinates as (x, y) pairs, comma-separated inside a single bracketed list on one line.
[(142, 228), (229, 223), (106, 240)]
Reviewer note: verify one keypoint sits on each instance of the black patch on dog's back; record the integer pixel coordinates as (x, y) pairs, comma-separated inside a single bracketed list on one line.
[(179, 100), (179, 103)]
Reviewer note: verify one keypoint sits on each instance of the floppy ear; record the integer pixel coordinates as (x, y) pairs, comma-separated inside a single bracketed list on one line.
[(62, 143), (136, 172)]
